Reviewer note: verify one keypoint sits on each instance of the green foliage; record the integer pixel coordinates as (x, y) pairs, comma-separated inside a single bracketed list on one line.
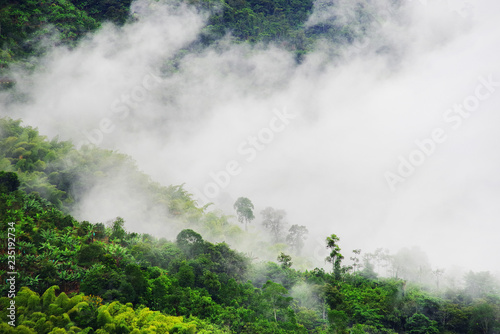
[(90, 254), (49, 297), (186, 276), (59, 173), (276, 297), (485, 316), (82, 277), (26, 23), (338, 321), (271, 271), (285, 260), (244, 210), (27, 27), (110, 318), (420, 324), (190, 242), (259, 21), (335, 258), (9, 182), (117, 230), (116, 11), (367, 329)]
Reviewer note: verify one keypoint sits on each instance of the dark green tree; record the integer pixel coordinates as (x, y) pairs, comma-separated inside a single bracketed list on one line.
[(335, 258), (90, 254), (338, 321), (485, 317), (190, 242), (275, 295), (420, 324), (285, 260), (9, 182), (186, 275), (117, 230)]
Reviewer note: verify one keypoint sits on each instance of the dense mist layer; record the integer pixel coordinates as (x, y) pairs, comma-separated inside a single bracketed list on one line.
[(389, 141)]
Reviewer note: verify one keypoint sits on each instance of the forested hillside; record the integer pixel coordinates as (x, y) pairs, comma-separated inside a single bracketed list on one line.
[(28, 27), (65, 275), (82, 277)]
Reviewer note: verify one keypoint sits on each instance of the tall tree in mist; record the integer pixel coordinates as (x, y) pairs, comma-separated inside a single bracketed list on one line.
[(274, 220), (244, 209), (355, 260), (335, 258), (296, 236), (437, 274)]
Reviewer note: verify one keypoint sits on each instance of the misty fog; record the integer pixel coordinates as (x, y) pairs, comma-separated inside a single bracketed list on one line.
[(326, 139)]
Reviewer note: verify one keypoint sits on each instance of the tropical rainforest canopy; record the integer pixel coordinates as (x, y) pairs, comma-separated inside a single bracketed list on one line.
[(81, 277)]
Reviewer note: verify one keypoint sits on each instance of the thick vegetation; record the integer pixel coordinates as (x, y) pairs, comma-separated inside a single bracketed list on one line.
[(82, 277), (24, 24), (27, 27), (79, 277)]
